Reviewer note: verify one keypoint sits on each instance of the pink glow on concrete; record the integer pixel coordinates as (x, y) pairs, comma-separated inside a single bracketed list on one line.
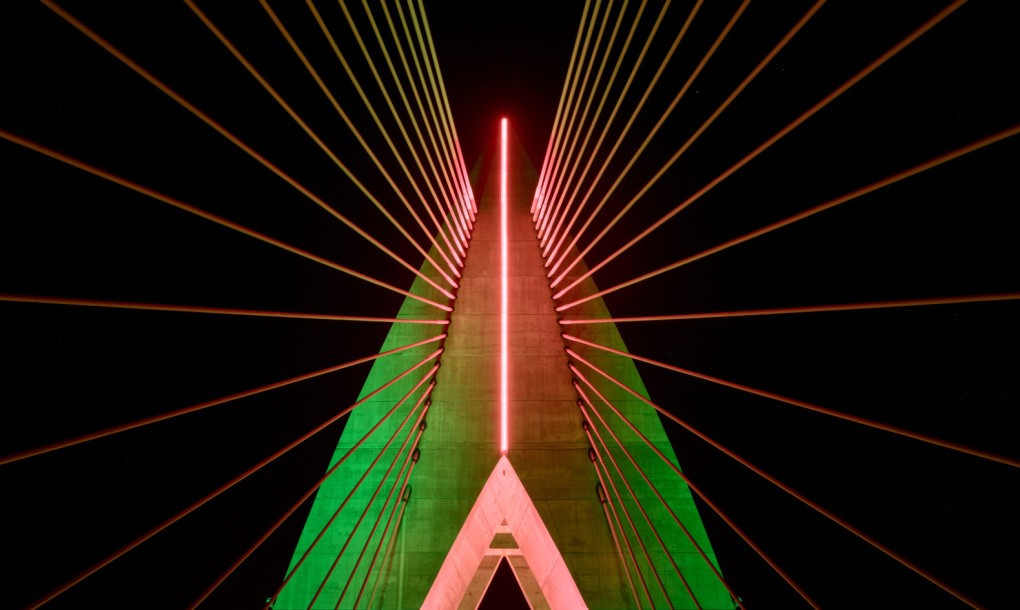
[(504, 507), (505, 297)]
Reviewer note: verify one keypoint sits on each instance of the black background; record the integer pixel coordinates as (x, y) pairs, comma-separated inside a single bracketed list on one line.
[(950, 371)]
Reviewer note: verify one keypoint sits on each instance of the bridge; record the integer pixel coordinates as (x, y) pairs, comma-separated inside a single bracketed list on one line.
[(614, 304)]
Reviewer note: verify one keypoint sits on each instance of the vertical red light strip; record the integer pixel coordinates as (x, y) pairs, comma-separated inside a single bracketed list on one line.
[(504, 300)]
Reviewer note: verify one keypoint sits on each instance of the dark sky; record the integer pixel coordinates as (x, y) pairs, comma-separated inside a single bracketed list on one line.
[(949, 371)]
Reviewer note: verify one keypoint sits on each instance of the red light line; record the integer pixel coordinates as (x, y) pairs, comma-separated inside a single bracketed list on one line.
[(708, 562), (977, 298), (626, 128), (855, 194), (889, 54), (134, 186), (290, 315), (706, 124), (648, 558), (354, 489), (195, 506), (789, 490), (304, 498), (92, 436), (694, 488), (375, 159), (400, 125), (221, 130), (504, 337), (924, 438)]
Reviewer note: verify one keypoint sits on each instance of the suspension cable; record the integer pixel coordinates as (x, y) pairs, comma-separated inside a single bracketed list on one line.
[(694, 488), (860, 75), (223, 222), (190, 509), (786, 488)]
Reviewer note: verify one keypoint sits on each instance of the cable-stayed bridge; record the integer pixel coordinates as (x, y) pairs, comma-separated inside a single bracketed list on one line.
[(227, 228)]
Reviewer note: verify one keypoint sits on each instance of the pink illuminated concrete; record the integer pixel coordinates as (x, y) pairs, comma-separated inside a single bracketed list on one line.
[(504, 508)]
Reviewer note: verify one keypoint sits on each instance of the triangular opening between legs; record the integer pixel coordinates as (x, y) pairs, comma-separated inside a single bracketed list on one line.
[(504, 592)]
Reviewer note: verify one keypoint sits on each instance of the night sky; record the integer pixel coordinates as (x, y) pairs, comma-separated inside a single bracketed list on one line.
[(947, 371)]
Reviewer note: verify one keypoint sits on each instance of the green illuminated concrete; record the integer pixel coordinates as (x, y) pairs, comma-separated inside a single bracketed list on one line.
[(548, 448)]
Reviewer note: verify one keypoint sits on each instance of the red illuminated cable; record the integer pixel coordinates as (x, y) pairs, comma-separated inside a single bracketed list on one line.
[(258, 313), (375, 159), (860, 192), (976, 298), (694, 488), (452, 145), (676, 100), (655, 532), (424, 202), (598, 113), (384, 542), (626, 128), (633, 528), (924, 28), (425, 82), (573, 103), (386, 528), (443, 172), (78, 440), (318, 141), (357, 485), (616, 543), (440, 146), (49, 152), (389, 550), (623, 533), (924, 438), (705, 125), (221, 130), (789, 490), (364, 512), (454, 224), (409, 465), (687, 534), (575, 123), (561, 205), (304, 498), (559, 130), (546, 159), (193, 507), (448, 173), (451, 127), (504, 337), (437, 108)]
